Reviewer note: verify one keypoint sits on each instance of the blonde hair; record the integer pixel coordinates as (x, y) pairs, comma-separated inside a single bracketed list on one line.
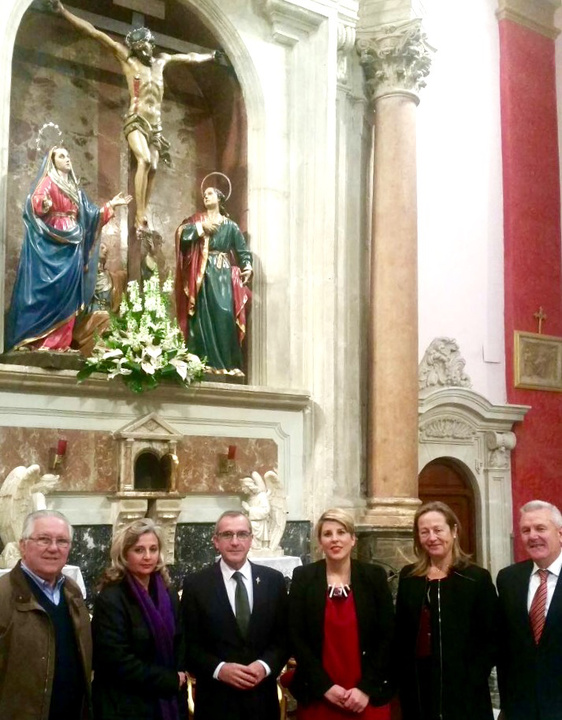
[(459, 557), (335, 515), (123, 540)]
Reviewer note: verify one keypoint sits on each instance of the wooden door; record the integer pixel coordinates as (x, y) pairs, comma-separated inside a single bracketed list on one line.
[(445, 480)]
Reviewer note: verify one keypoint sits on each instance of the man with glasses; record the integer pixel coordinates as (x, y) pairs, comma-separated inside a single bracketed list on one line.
[(234, 616), (45, 645)]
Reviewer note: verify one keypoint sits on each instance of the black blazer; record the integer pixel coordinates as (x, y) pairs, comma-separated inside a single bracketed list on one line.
[(464, 644), (127, 681), (529, 675), (375, 620), (212, 636)]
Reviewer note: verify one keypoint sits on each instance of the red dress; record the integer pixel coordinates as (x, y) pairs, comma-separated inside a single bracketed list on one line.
[(342, 661)]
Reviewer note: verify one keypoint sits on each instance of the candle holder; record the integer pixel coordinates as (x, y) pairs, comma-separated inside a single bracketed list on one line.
[(227, 461), (58, 454)]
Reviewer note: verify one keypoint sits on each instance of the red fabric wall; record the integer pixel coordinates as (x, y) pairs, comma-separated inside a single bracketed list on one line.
[(532, 248)]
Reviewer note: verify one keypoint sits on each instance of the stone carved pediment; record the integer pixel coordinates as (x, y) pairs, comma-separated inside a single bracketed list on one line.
[(150, 426), (443, 366), (446, 429)]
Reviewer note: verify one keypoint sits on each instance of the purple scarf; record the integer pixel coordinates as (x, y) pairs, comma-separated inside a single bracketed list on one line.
[(159, 616)]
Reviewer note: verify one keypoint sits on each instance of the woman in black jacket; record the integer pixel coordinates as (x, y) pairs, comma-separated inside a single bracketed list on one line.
[(341, 622), (446, 620), (135, 632)]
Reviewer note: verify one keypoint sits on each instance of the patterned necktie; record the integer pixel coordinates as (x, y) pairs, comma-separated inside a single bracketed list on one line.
[(537, 613), (241, 604)]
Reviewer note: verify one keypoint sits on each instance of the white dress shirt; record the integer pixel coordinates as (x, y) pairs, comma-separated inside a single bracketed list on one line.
[(230, 582), (553, 572)]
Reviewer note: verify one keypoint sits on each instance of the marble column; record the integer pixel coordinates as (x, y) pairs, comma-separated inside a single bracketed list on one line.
[(396, 59)]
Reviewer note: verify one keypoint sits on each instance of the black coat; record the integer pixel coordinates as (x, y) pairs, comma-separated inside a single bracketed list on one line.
[(464, 644), (375, 621), (529, 675), (212, 636), (127, 681)]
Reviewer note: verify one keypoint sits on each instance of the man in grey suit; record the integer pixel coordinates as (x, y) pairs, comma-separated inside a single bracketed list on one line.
[(530, 592), (235, 632)]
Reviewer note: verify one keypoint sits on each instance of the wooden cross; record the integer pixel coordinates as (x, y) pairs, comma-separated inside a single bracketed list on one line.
[(152, 8), (540, 316)]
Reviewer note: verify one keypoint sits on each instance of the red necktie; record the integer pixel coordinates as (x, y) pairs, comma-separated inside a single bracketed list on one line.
[(537, 613)]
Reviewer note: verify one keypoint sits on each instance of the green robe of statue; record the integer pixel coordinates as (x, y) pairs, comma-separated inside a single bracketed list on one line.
[(210, 298)]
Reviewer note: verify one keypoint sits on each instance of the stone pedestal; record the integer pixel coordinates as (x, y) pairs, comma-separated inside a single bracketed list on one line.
[(390, 547)]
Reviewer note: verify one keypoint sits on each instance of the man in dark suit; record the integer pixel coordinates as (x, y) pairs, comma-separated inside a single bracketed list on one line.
[(530, 663), (234, 623)]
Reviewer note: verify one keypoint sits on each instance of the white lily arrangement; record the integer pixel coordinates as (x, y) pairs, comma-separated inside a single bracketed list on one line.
[(143, 345)]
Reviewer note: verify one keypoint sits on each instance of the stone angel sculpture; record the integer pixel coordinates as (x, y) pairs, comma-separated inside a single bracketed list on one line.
[(266, 506), (21, 492)]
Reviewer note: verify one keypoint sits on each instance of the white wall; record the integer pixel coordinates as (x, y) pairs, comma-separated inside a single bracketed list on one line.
[(460, 191)]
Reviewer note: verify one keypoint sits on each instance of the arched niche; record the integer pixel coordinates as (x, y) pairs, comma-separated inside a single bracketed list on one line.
[(450, 481), (55, 74), (461, 425)]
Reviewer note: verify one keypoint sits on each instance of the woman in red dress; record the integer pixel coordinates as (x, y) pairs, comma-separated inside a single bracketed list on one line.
[(341, 621)]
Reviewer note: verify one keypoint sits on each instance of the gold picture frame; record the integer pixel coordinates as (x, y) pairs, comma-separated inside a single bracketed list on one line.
[(538, 361)]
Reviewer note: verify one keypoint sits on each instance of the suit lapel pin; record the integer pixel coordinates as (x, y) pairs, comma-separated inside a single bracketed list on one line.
[(257, 581)]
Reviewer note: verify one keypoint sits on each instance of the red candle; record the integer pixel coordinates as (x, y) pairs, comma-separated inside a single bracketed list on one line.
[(61, 447), (231, 452)]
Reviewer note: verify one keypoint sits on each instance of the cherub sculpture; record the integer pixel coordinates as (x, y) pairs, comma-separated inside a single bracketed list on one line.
[(266, 505)]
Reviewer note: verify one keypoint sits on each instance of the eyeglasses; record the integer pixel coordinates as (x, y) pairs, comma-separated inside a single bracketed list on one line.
[(227, 535), (45, 541)]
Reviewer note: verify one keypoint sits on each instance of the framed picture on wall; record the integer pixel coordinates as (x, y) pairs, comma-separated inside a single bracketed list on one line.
[(538, 361)]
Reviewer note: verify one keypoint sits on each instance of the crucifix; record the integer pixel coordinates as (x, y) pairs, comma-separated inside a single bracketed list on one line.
[(143, 69), (540, 315)]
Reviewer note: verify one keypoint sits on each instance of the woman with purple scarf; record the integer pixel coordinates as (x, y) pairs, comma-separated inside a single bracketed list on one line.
[(135, 632)]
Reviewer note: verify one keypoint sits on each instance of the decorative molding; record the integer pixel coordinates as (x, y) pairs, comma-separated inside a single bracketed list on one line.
[(25, 379), (442, 366), (500, 445), (396, 59), (346, 43), (446, 429), (536, 15), (290, 21)]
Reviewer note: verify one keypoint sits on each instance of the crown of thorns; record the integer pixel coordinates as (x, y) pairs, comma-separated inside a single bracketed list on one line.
[(139, 35)]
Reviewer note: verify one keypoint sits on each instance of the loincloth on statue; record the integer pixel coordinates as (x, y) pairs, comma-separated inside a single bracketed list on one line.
[(152, 133)]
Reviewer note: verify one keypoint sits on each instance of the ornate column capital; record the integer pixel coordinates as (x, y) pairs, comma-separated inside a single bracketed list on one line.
[(396, 59)]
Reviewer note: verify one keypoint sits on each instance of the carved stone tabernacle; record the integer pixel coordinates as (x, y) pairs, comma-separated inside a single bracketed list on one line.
[(147, 477)]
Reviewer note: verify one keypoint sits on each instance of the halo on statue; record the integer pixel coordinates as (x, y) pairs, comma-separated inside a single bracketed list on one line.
[(219, 174), (48, 136)]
